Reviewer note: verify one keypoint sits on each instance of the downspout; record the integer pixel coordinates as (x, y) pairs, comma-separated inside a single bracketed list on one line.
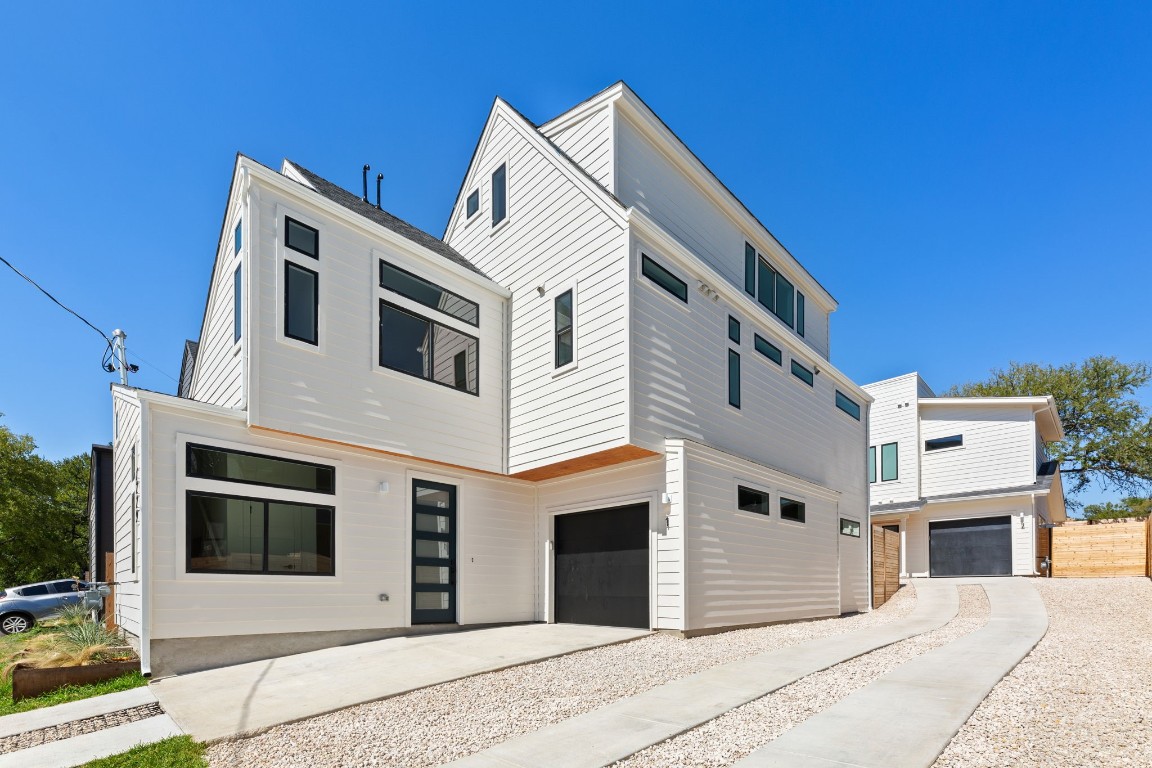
[(143, 575)]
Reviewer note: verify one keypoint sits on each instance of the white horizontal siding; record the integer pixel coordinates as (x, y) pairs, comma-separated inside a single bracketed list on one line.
[(893, 419), (998, 449), (649, 181), (589, 144), (556, 237), (495, 562), (337, 390), (126, 536), (219, 372)]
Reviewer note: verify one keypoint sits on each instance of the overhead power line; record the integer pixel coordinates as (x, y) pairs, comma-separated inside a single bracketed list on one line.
[(58, 302)]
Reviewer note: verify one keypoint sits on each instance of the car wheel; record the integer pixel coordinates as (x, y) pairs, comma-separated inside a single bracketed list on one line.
[(14, 623)]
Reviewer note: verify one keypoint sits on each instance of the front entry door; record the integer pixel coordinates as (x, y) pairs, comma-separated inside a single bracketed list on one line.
[(433, 553)]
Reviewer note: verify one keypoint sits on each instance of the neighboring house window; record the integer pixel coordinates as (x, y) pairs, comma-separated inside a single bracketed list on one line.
[(888, 462), (238, 238), (938, 443), (472, 205), (421, 347), (733, 378), (237, 534), (872, 464), (768, 349), (799, 313), (237, 309), (663, 278), (849, 527), (749, 269), (751, 500), (211, 463), (733, 329), (301, 237), (848, 405), (803, 373), (499, 194), (791, 510), (428, 293), (301, 303), (562, 320)]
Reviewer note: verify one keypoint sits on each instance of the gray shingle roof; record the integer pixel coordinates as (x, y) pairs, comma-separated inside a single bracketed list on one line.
[(343, 197)]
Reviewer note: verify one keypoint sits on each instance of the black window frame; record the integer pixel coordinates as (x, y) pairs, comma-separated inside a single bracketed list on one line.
[(472, 204), (750, 269), (775, 355), (387, 264), (733, 329), (407, 311), (851, 522), (659, 273), (500, 195), (288, 237), (237, 303), (800, 302), (943, 443), (799, 513), (848, 405), (315, 340), (808, 377), (188, 494), (765, 500), (895, 463), (733, 378), (558, 330), (188, 448), (764, 295)]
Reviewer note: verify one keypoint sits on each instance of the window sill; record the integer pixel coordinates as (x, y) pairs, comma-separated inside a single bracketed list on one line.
[(573, 366), (497, 228)]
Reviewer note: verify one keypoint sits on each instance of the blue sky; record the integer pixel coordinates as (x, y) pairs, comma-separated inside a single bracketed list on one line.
[(971, 181)]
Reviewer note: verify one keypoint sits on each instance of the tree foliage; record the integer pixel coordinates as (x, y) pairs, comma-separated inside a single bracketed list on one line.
[(1132, 506), (43, 513), (1108, 433)]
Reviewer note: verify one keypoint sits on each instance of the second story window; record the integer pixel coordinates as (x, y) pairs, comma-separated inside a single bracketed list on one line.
[(663, 278), (768, 349), (940, 443), (428, 293), (562, 317), (733, 329), (472, 204), (848, 405), (889, 462), (499, 194), (421, 347), (803, 374), (301, 237), (301, 303)]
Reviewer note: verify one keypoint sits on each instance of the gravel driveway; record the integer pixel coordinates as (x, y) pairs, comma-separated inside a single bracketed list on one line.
[(1083, 697)]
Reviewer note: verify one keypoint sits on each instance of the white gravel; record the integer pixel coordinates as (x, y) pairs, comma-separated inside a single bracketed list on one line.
[(1083, 697), (435, 725), (743, 730)]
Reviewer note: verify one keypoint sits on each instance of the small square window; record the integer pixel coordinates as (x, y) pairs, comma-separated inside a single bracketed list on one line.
[(733, 329), (791, 510), (301, 237), (472, 205), (751, 500), (849, 527), (803, 373)]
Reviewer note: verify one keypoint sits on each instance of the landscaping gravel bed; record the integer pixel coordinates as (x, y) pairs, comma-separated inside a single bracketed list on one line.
[(445, 722), (77, 727), (1083, 697), (741, 731)]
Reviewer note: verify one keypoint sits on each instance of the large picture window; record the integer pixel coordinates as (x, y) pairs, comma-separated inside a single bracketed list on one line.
[(428, 293), (234, 534), (212, 463), (418, 346)]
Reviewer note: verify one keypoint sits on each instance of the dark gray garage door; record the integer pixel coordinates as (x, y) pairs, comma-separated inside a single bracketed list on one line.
[(602, 567), (976, 547)]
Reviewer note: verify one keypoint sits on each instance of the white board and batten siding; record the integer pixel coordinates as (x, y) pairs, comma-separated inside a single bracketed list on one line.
[(336, 389), (560, 234), (998, 449), (648, 180), (127, 452), (893, 419), (916, 530), (495, 541)]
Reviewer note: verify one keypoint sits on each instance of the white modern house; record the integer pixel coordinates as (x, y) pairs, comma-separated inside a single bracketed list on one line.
[(604, 397), (967, 481)]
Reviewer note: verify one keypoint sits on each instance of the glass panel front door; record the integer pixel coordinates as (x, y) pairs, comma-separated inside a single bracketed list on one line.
[(433, 553)]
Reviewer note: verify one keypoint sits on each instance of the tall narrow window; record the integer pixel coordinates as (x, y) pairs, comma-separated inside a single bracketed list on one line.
[(749, 269), (499, 194), (889, 459), (733, 378), (301, 299), (799, 313), (237, 297), (766, 285), (301, 237), (785, 296), (460, 368), (238, 239), (872, 464), (562, 312)]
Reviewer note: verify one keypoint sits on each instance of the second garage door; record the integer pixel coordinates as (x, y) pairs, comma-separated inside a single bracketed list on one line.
[(602, 567), (975, 547)]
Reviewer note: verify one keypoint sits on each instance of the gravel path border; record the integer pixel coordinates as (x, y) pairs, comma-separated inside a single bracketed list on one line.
[(77, 728)]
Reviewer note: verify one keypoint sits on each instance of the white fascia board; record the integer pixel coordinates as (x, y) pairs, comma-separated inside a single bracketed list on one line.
[(1030, 401), (775, 475), (582, 110), (650, 125), (981, 497), (192, 406), (308, 196), (882, 382), (648, 230)]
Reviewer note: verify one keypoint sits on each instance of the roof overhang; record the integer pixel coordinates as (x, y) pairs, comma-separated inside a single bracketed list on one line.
[(1043, 406)]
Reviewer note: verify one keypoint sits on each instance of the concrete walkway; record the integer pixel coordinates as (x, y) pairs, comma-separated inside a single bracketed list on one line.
[(614, 732), (906, 718), (227, 702)]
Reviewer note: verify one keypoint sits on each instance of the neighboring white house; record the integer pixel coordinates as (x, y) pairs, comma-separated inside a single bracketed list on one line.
[(966, 480), (603, 397)]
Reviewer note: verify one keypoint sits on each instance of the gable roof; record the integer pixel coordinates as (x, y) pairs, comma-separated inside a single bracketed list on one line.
[(344, 198)]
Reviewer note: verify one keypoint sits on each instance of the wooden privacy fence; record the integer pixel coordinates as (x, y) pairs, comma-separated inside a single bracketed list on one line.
[(885, 565), (1112, 548)]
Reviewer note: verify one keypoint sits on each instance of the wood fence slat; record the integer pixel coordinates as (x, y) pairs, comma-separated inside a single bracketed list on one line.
[(1110, 549)]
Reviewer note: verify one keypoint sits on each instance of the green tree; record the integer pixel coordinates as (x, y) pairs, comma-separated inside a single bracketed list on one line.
[(43, 513), (1131, 506), (1108, 433)]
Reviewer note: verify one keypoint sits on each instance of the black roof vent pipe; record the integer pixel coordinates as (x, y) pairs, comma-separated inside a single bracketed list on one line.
[(366, 169), (379, 178)]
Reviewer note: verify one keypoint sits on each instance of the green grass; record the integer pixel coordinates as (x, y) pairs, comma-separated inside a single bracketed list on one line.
[(177, 752), (67, 693)]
